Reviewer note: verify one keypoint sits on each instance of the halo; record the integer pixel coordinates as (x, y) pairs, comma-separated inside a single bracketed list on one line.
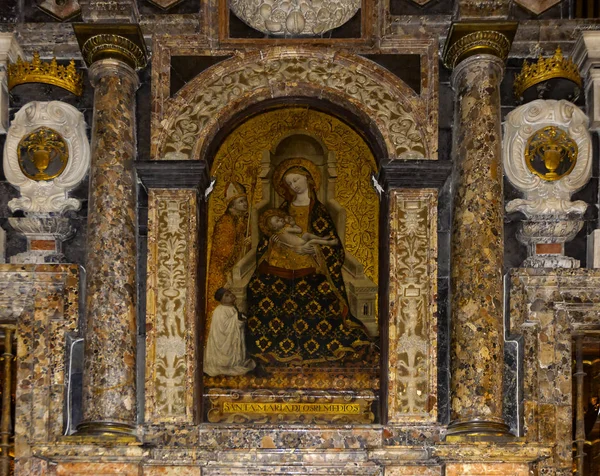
[(286, 165)]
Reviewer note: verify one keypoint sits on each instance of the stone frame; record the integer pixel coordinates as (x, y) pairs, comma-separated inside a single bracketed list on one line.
[(185, 429), (421, 109)]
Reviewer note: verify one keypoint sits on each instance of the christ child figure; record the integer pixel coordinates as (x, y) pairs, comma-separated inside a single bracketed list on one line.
[(288, 242)]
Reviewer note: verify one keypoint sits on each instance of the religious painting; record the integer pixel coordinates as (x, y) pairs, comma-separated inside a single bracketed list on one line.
[(291, 325)]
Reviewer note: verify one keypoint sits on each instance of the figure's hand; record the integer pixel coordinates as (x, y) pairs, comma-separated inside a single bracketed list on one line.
[(307, 249), (274, 238)]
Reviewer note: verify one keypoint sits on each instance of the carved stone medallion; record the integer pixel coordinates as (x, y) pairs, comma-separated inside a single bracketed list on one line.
[(46, 155), (299, 18)]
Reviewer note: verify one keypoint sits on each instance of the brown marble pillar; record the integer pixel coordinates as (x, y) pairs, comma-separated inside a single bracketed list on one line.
[(476, 348), (109, 392)]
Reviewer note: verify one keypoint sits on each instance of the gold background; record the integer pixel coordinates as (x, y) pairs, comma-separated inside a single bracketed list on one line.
[(238, 159)]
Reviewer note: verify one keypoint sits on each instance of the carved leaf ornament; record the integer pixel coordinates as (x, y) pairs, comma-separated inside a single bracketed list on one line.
[(395, 108)]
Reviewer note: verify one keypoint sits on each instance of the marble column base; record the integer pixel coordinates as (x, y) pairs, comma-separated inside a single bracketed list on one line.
[(478, 429), (106, 429)]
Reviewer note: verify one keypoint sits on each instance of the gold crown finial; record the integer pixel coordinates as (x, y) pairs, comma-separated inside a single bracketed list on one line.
[(546, 68), (38, 71)]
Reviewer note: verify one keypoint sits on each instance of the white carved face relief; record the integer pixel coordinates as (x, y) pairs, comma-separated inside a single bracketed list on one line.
[(297, 183)]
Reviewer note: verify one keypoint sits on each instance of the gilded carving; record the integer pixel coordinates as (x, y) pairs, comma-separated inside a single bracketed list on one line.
[(389, 102), (38, 71), (170, 308), (550, 153), (482, 41), (412, 333), (115, 46), (42, 154)]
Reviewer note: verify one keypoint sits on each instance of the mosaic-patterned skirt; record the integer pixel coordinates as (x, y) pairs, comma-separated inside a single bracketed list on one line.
[(298, 317)]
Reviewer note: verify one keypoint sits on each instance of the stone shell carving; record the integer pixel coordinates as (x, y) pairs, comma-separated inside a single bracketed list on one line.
[(47, 196), (294, 18), (544, 197)]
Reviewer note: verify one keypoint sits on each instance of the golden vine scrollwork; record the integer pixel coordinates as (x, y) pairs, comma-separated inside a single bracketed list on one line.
[(170, 303)]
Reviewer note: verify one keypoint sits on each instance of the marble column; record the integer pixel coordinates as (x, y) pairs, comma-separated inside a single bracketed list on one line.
[(476, 348), (109, 391)]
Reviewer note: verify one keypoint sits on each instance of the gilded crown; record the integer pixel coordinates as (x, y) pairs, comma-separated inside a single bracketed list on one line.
[(38, 71), (546, 68)]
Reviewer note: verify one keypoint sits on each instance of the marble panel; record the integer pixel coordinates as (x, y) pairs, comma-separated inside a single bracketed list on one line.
[(546, 308), (413, 471), (412, 366), (97, 469), (172, 470), (487, 469), (45, 306), (171, 305)]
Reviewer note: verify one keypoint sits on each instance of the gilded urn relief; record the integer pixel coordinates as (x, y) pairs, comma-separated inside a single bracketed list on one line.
[(291, 327)]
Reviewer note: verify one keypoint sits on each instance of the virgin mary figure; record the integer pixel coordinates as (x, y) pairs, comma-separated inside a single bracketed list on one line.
[(298, 310)]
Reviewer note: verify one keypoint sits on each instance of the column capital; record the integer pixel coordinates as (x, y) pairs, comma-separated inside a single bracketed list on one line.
[(120, 42), (467, 39)]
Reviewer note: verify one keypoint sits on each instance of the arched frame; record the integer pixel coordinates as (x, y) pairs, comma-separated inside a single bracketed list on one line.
[(172, 212), (184, 125)]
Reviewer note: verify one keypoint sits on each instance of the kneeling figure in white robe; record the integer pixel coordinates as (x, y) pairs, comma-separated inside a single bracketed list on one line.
[(225, 352)]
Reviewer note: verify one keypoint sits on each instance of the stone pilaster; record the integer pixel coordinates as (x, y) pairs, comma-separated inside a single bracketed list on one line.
[(109, 391), (476, 349)]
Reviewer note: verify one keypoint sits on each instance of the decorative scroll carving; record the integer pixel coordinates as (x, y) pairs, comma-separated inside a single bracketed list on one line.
[(390, 103), (171, 301), (552, 218), (412, 331), (284, 18), (48, 196)]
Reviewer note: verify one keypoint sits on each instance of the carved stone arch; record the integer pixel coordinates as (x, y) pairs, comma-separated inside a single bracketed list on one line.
[(193, 117)]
